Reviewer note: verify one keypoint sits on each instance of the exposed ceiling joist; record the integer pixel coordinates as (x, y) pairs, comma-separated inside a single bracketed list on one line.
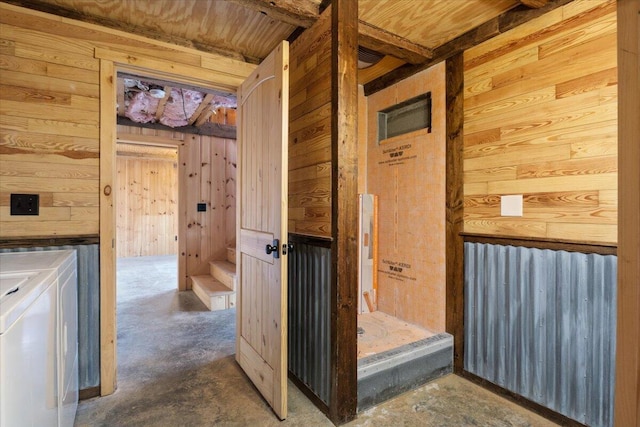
[(300, 13), (303, 13), (204, 105), (489, 29), (163, 102), (382, 41)]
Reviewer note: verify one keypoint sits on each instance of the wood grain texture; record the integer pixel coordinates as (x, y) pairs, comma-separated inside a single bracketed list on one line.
[(445, 19), (310, 130), (627, 392), (344, 210), (147, 202), (454, 314), (50, 104), (540, 120)]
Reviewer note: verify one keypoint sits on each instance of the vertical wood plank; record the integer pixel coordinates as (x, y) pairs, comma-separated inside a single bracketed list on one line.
[(344, 206), (183, 154), (107, 229), (627, 394), (455, 207)]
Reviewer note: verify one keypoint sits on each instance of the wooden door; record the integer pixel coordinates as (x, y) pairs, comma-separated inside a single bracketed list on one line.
[(261, 335)]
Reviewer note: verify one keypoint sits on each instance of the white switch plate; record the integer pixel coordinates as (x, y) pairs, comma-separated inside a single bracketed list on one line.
[(511, 205)]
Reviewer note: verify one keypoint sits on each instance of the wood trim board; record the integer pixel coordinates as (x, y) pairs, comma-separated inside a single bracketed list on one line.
[(539, 243)]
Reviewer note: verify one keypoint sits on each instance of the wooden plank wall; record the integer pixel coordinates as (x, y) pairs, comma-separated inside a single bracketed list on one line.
[(540, 120), (147, 200), (206, 174), (49, 113), (407, 173), (310, 131)]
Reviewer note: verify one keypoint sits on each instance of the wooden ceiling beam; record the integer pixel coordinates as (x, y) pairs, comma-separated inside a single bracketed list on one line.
[(498, 25), (299, 13), (209, 129), (303, 13), (382, 41)]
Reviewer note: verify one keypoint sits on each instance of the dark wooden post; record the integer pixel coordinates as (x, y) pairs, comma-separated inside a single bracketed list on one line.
[(454, 208), (344, 248)]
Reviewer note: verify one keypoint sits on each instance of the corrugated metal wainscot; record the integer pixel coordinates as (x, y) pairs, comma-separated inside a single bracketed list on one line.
[(309, 314), (88, 310), (542, 324)]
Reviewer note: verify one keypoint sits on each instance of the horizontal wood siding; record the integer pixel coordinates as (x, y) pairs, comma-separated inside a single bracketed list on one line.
[(147, 202), (540, 119), (49, 112), (310, 131)]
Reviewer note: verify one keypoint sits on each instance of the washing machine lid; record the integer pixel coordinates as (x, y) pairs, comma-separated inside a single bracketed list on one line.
[(18, 290)]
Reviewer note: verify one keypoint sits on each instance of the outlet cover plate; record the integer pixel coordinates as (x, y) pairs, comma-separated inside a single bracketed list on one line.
[(25, 204)]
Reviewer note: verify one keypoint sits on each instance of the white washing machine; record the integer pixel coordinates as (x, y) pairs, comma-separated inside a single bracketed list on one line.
[(39, 333), (28, 362)]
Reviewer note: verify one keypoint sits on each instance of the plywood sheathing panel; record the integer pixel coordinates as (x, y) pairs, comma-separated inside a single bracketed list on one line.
[(408, 175), (541, 120)]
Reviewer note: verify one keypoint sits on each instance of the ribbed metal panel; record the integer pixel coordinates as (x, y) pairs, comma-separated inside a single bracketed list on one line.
[(309, 315), (542, 324), (88, 310)]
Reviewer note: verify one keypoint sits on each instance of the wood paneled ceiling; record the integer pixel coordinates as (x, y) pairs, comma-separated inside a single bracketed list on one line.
[(409, 34)]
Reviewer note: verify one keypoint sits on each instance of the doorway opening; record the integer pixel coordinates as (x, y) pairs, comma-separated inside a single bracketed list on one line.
[(175, 208)]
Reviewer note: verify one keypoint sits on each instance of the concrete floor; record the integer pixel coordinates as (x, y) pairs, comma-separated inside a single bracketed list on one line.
[(176, 368)]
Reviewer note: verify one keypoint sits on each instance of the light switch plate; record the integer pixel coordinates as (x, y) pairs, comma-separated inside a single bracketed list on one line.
[(511, 205)]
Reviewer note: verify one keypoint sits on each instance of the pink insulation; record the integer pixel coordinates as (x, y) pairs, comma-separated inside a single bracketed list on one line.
[(224, 101), (180, 107), (142, 108)]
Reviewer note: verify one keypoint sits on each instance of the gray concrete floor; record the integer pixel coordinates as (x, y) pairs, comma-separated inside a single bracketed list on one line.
[(176, 368)]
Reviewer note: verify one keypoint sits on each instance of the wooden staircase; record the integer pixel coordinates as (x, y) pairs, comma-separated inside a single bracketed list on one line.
[(217, 290)]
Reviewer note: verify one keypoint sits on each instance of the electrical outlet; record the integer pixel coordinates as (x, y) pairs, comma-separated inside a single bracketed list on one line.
[(25, 204)]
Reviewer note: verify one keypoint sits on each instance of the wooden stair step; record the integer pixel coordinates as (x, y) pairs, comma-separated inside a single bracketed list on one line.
[(214, 294), (231, 254), (225, 272)]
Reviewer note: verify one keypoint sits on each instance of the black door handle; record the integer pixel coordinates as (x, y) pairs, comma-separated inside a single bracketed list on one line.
[(273, 249)]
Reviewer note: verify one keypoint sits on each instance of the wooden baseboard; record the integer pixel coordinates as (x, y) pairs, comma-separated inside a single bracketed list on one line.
[(33, 242)]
